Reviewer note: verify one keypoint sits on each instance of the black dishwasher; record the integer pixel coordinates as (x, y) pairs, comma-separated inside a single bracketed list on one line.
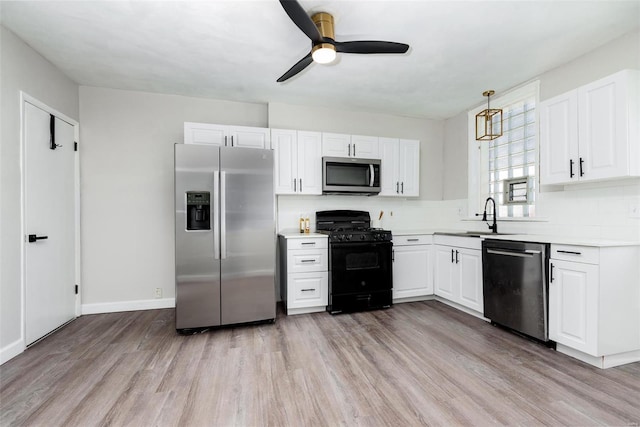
[(515, 286)]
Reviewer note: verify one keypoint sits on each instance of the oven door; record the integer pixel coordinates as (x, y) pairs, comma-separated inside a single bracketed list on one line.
[(360, 267)]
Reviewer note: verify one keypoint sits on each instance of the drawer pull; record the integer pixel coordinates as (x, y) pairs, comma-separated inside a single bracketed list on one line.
[(569, 252), (308, 243), (412, 240), (307, 260), (308, 290)]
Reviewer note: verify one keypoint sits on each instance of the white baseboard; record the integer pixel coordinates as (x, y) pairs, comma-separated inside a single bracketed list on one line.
[(12, 350), (114, 307)]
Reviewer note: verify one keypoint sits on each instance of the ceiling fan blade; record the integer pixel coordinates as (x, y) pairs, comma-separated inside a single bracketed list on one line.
[(299, 66), (371, 46), (301, 19)]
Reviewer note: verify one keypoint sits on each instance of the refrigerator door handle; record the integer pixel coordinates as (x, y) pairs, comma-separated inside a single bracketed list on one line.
[(216, 215), (223, 215)]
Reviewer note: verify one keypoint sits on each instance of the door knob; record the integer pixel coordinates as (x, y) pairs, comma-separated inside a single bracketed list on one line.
[(34, 238)]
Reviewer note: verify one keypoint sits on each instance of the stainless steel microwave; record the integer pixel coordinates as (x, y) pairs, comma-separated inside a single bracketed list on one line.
[(350, 176)]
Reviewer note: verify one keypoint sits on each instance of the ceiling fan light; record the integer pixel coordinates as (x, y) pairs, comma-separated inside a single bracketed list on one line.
[(323, 53)]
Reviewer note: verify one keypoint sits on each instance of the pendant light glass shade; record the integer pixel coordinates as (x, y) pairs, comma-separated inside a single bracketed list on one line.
[(488, 121)]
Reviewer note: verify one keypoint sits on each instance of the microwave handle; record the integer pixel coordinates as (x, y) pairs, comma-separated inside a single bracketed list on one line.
[(372, 175)]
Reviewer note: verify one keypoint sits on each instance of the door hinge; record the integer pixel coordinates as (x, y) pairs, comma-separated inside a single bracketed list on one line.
[(76, 289), (75, 146)]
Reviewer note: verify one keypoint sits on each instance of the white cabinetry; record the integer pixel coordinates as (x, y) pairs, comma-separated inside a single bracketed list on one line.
[(591, 133), (400, 167), (298, 161), (230, 136), (412, 267), (594, 301), (458, 271), (343, 145), (303, 273)]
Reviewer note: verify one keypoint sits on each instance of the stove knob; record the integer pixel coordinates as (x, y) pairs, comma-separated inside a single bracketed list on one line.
[(362, 237)]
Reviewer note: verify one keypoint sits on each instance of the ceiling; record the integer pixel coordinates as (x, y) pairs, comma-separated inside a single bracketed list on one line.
[(235, 50)]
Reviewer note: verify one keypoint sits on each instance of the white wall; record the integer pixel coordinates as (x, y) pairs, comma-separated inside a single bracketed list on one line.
[(22, 69), (126, 161), (600, 210), (455, 172)]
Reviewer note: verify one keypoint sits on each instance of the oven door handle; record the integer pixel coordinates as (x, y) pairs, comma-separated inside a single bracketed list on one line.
[(522, 254), (372, 174)]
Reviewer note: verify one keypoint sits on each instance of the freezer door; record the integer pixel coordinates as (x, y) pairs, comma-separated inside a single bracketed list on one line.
[(196, 230), (247, 235)]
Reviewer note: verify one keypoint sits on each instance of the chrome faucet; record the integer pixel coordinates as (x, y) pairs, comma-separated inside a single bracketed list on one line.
[(494, 227)]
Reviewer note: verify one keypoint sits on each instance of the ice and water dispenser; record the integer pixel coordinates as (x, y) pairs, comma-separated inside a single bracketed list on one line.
[(198, 210)]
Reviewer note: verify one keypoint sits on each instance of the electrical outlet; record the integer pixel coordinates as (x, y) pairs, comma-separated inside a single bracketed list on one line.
[(634, 210), (158, 292)]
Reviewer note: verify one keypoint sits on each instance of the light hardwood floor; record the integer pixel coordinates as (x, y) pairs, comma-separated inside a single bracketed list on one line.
[(413, 364)]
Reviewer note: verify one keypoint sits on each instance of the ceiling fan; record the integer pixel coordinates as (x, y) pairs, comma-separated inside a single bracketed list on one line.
[(319, 28)]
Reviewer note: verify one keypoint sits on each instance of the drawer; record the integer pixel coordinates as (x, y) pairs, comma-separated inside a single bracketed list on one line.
[(416, 239), (458, 241), (308, 243), (586, 254), (307, 260), (308, 290)]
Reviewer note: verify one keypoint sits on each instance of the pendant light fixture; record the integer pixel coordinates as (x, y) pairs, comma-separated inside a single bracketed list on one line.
[(488, 121)]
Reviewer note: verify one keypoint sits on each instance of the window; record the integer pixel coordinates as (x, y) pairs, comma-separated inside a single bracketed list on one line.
[(506, 167)]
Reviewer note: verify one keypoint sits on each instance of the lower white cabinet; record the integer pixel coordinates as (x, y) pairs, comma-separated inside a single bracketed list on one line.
[(303, 272), (412, 267), (458, 271), (594, 303)]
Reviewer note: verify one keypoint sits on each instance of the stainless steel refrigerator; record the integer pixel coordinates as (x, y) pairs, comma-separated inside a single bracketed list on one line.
[(225, 235)]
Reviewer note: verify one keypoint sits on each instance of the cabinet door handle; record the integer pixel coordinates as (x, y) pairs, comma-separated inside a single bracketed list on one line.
[(232, 140), (307, 290), (551, 274), (225, 140), (569, 252), (354, 150), (308, 243), (397, 187), (349, 153), (33, 238), (571, 168), (457, 257), (295, 188), (412, 240), (393, 255), (301, 185), (452, 260), (402, 188), (307, 260), (581, 162)]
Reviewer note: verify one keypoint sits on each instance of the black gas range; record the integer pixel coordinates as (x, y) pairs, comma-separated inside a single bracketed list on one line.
[(360, 265)]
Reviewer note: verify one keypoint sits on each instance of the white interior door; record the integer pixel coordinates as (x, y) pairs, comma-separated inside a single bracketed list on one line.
[(49, 218)]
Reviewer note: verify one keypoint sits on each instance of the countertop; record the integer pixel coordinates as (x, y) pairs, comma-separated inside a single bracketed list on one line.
[(539, 238)]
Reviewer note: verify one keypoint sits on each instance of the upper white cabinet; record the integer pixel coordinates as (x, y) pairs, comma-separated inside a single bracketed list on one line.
[(298, 161), (343, 145), (400, 169), (591, 133), (412, 269), (229, 136)]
